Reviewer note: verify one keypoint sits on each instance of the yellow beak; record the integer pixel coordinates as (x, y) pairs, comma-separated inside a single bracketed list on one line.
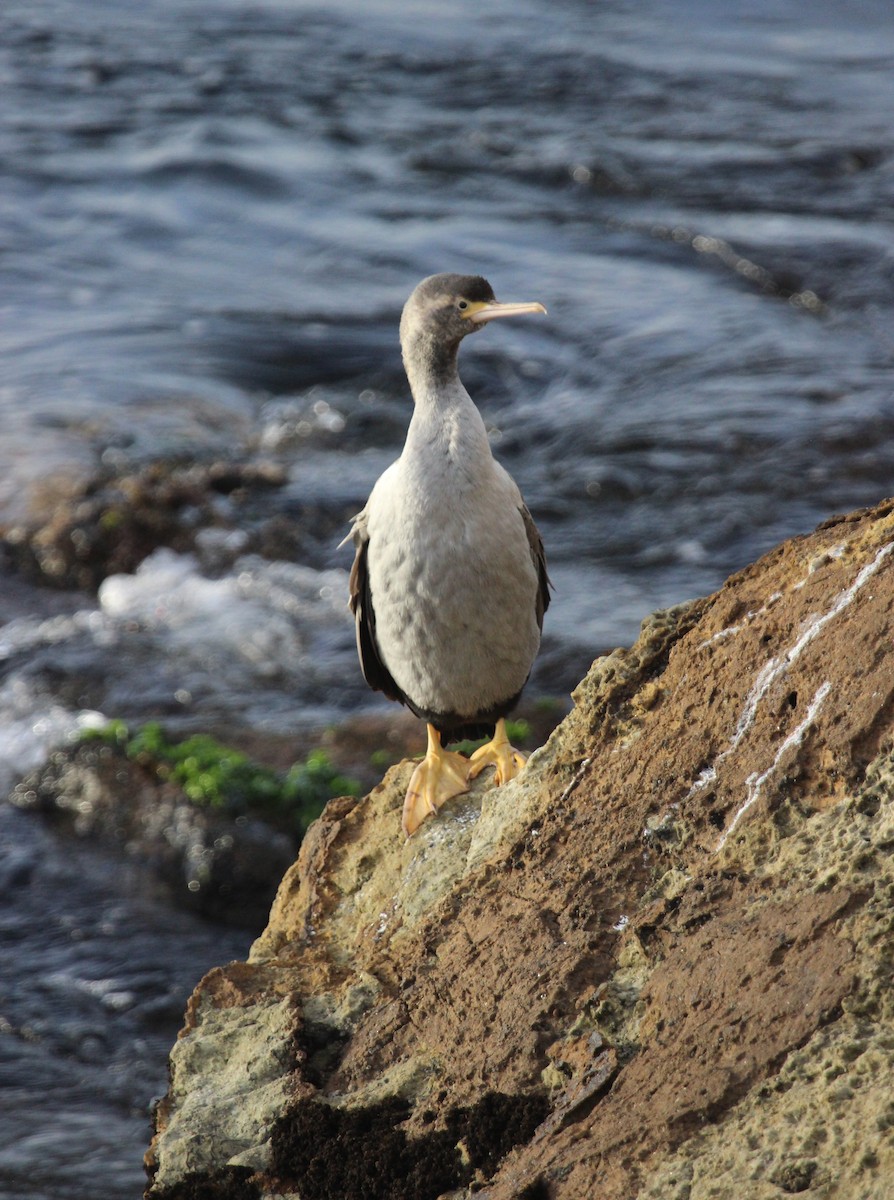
[(488, 310)]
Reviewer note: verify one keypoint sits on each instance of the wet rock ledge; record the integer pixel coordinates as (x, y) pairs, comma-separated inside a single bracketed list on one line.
[(657, 965)]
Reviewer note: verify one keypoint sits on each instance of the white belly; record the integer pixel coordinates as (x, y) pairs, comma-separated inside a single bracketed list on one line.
[(453, 587)]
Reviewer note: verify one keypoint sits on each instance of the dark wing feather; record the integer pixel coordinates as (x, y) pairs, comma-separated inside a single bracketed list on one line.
[(538, 556), (374, 670)]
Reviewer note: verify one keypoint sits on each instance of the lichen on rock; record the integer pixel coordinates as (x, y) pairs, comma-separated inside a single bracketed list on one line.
[(657, 964)]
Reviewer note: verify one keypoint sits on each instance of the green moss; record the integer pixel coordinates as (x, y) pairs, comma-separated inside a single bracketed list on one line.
[(212, 774), (111, 519), (518, 732), (382, 759)]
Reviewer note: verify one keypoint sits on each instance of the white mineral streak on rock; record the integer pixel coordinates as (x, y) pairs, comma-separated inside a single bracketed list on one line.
[(776, 667), (756, 782)]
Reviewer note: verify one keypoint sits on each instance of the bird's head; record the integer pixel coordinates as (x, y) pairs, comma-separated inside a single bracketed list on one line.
[(444, 308)]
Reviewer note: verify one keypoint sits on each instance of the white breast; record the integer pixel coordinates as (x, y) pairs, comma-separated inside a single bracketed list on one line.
[(452, 579)]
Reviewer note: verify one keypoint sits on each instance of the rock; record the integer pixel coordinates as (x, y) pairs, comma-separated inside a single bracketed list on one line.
[(658, 964), (212, 862), (108, 524)]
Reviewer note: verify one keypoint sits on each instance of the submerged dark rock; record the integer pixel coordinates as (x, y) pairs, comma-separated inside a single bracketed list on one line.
[(219, 864)]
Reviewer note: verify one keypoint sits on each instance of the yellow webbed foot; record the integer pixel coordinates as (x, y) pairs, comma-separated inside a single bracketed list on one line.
[(498, 752), (441, 775)]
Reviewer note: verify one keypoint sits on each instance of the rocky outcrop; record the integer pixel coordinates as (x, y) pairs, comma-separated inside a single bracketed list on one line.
[(209, 860), (110, 523), (658, 964)]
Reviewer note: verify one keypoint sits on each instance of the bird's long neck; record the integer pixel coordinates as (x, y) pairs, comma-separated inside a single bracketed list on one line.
[(429, 361), (444, 412)]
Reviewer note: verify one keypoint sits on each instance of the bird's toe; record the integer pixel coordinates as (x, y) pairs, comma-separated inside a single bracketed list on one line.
[(435, 780)]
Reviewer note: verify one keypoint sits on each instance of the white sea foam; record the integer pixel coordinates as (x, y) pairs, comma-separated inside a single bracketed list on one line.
[(270, 643), (31, 725), (263, 616)]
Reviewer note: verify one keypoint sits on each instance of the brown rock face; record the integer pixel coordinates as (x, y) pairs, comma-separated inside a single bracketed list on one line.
[(657, 965)]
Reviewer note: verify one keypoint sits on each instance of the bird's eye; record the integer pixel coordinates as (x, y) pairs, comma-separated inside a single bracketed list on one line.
[(462, 305)]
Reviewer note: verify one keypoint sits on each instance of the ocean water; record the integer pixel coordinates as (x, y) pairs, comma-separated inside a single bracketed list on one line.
[(212, 213)]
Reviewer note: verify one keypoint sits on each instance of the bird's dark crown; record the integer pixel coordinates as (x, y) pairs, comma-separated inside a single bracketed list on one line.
[(469, 287), (433, 322)]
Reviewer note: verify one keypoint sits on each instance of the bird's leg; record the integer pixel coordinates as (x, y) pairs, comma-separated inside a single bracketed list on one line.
[(499, 752), (441, 775)]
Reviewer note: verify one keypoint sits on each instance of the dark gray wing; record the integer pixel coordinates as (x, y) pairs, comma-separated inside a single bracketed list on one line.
[(538, 555), (374, 670)]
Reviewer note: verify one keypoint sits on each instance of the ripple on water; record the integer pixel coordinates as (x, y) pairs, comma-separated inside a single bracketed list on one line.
[(211, 216)]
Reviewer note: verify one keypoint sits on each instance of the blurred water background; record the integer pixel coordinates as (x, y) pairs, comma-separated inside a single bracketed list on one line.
[(212, 213)]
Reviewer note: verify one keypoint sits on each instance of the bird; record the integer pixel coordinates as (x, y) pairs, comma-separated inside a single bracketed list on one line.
[(449, 582)]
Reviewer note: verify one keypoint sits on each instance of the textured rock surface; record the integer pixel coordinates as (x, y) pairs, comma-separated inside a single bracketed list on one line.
[(658, 964)]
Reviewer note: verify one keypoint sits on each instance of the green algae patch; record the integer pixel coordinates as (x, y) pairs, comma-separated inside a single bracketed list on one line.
[(212, 774)]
